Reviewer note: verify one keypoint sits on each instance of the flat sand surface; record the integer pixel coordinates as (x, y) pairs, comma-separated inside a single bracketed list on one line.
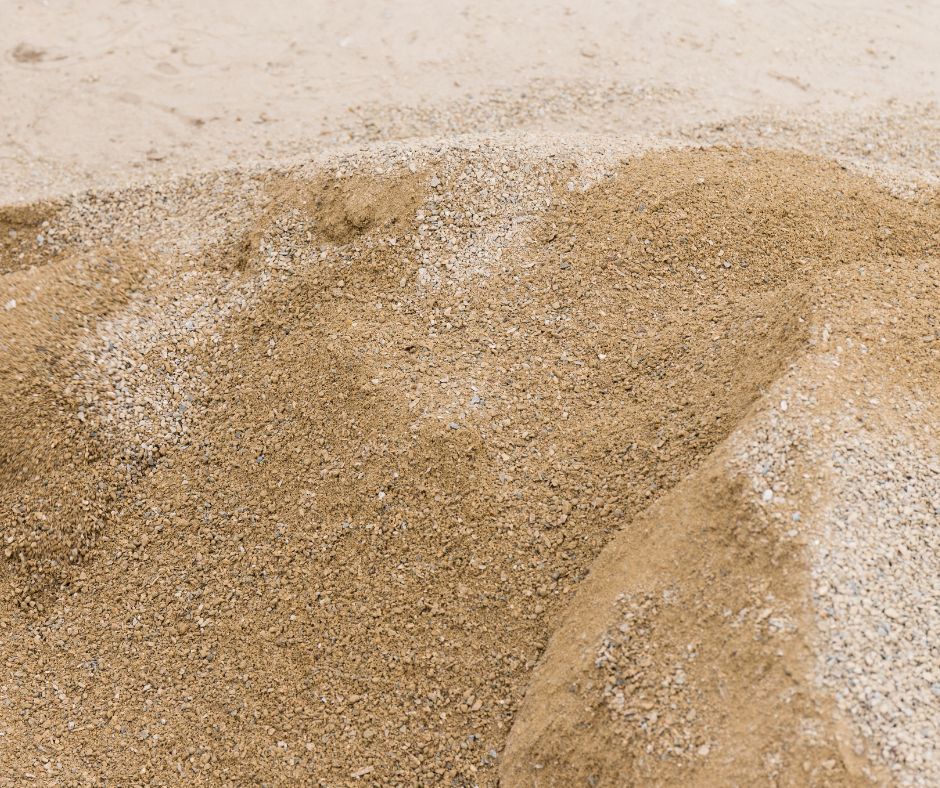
[(96, 92)]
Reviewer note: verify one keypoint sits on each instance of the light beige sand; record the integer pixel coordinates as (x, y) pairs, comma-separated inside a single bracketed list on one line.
[(95, 92)]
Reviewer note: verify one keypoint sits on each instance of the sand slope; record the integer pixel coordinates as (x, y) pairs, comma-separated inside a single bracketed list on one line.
[(303, 468)]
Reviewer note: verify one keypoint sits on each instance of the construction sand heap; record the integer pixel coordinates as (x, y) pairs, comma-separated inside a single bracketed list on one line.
[(302, 472)]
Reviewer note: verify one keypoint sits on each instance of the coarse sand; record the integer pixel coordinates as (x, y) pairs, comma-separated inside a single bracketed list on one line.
[(470, 460), (418, 393)]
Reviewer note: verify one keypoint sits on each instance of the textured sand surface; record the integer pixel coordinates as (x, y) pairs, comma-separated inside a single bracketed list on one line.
[(399, 395), (101, 91)]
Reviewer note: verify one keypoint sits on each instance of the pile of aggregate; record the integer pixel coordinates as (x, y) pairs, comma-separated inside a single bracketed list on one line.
[(301, 469)]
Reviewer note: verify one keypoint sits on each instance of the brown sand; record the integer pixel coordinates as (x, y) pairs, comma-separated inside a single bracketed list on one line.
[(590, 439), (300, 507), (705, 585)]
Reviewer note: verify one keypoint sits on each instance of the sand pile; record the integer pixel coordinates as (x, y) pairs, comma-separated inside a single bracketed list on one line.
[(302, 470)]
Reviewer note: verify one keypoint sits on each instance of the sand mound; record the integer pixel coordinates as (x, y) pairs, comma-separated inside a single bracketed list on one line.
[(331, 450), (682, 658)]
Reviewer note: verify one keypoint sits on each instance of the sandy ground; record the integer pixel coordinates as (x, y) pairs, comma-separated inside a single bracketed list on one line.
[(100, 92), (508, 394)]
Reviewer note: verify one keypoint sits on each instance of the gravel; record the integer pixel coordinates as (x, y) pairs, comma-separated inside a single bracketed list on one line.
[(863, 466)]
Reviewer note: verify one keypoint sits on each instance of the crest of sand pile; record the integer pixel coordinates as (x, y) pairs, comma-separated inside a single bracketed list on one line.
[(347, 438), (656, 673), (849, 466), (145, 406)]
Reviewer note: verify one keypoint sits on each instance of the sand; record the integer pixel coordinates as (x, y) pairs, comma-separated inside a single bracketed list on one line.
[(102, 92), (561, 412)]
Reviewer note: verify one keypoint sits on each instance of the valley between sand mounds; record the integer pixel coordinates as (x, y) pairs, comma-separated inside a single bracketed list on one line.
[(301, 470)]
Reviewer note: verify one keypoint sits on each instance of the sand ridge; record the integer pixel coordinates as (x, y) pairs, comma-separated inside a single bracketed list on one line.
[(419, 394), (342, 485)]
